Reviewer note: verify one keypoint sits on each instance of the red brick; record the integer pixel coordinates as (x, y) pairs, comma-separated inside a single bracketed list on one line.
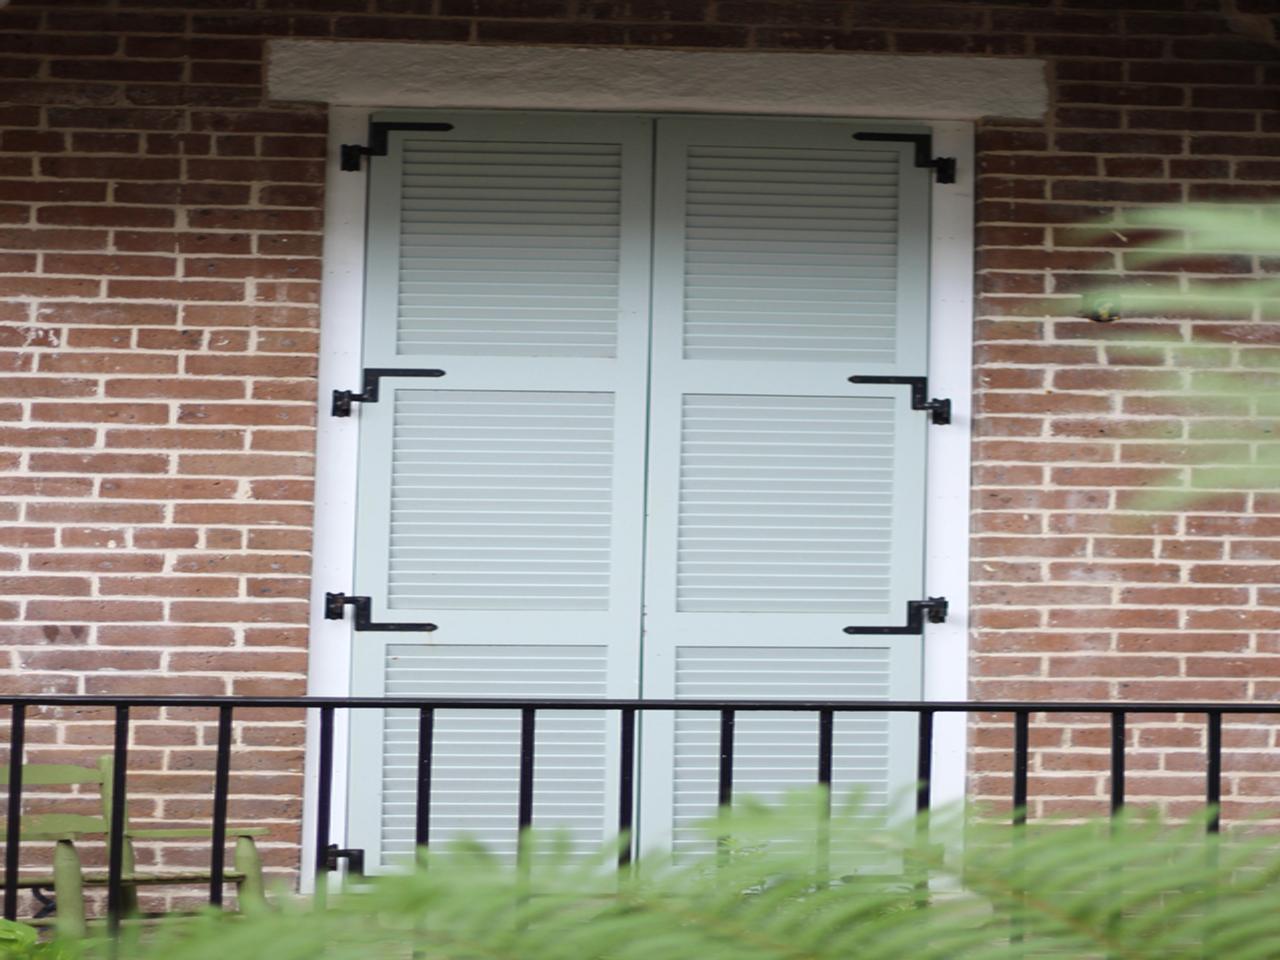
[(62, 412), (94, 611), (169, 488), (100, 463), (177, 439), (116, 561)]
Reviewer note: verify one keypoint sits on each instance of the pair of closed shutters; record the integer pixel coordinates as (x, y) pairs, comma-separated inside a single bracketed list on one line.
[(644, 471)]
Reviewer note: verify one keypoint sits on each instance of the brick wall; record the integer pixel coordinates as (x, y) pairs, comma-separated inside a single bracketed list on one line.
[(159, 242)]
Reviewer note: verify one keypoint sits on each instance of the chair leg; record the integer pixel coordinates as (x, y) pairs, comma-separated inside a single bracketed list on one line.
[(248, 862), (68, 888)]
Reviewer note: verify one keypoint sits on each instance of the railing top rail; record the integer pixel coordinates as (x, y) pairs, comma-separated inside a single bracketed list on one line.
[(544, 703)]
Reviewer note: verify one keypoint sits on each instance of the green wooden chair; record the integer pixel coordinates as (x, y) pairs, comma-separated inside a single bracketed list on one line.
[(68, 878)]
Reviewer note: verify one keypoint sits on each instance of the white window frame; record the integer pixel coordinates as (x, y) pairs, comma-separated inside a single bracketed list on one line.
[(946, 647)]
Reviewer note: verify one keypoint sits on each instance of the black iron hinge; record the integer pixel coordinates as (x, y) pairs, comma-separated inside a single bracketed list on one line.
[(944, 168), (939, 410), (933, 609), (350, 153), (342, 399), (363, 606), (354, 858)]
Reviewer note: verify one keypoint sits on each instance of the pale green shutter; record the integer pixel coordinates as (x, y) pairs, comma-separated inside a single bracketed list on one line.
[(500, 500), (785, 503)]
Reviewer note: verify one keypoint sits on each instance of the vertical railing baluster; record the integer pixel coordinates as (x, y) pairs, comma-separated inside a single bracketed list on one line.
[(1213, 770), (116, 838), (524, 806), (1117, 761), (724, 788), (221, 788), (1021, 760), (924, 796), (724, 791), (1021, 763), (426, 746), (924, 762), (13, 828), (826, 750), (324, 799), (626, 786)]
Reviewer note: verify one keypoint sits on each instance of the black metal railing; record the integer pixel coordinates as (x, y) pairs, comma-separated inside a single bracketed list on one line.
[(628, 710)]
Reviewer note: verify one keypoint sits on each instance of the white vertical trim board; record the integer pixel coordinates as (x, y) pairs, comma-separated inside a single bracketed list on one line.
[(947, 483), (947, 487), (333, 556)]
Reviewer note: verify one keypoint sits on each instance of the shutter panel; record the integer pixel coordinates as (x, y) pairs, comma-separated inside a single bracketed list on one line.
[(500, 501), (784, 502)]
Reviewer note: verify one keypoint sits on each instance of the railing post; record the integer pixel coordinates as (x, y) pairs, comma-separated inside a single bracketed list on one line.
[(426, 744), (221, 788), (13, 829), (116, 838), (924, 762), (1117, 762), (324, 799), (626, 786), (1213, 770), (1021, 759), (724, 788), (524, 806)]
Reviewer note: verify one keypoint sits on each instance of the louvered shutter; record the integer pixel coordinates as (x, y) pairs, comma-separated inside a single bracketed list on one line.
[(500, 501), (784, 503)]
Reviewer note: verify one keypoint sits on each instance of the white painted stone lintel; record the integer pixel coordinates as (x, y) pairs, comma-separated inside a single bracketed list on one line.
[(364, 73)]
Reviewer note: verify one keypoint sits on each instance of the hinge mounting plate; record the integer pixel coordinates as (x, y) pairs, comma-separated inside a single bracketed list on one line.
[(944, 168), (350, 154), (342, 399), (939, 410), (933, 609), (335, 603), (353, 856)]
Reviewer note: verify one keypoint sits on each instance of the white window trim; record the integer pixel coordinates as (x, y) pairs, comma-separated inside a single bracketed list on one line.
[(946, 650)]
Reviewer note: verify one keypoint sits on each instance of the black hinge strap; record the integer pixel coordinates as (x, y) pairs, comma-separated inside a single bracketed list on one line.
[(934, 608), (354, 858), (939, 410), (342, 399), (363, 606), (350, 153), (944, 168)]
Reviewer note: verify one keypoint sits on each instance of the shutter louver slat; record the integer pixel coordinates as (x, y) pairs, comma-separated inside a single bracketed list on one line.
[(537, 211), (802, 224), (785, 504), (491, 491)]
